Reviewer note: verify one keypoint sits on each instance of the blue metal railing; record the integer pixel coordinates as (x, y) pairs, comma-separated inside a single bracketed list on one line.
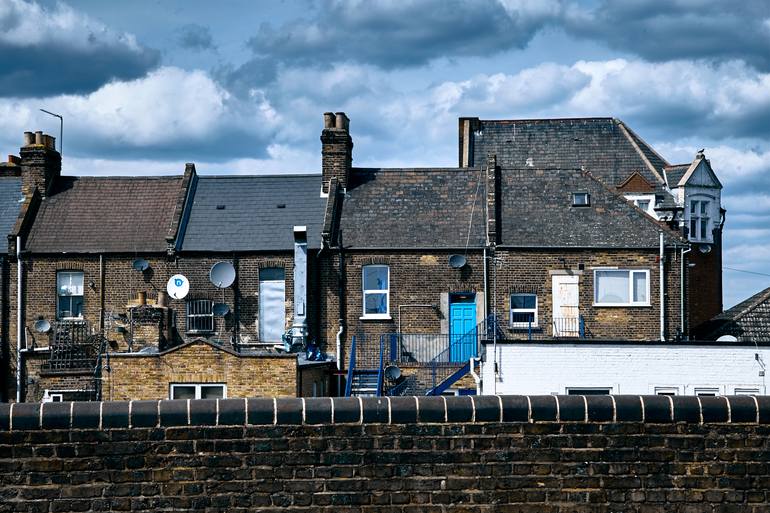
[(351, 366)]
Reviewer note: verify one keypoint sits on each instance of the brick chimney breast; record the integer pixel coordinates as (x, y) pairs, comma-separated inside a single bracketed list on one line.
[(40, 163), (336, 150)]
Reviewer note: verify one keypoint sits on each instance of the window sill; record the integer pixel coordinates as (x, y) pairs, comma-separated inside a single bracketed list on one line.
[(524, 327), (376, 318), (622, 305)]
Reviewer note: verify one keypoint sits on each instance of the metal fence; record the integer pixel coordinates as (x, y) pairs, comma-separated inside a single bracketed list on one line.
[(434, 347)]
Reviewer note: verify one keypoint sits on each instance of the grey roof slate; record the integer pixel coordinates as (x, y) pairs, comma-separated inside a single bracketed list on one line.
[(599, 144), (106, 214), (748, 321), (251, 219), (10, 204), (405, 208), (675, 173), (537, 211)]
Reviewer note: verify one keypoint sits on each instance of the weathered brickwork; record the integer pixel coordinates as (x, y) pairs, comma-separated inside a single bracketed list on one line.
[(121, 285), (135, 376), (531, 271), (314, 380), (704, 291), (457, 454), (420, 282)]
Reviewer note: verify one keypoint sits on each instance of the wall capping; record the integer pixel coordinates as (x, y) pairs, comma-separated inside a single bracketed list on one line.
[(651, 409)]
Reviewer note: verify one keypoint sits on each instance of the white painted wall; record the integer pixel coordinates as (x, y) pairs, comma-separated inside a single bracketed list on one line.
[(538, 368)]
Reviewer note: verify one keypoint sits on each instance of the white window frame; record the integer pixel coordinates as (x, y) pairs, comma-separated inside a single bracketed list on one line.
[(747, 390), (699, 219), (197, 386), (513, 310), (707, 390), (631, 273), (650, 198), (667, 390), (365, 292), (82, 296)]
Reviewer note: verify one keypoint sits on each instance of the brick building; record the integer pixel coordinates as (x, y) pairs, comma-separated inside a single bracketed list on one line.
[(96, 254)]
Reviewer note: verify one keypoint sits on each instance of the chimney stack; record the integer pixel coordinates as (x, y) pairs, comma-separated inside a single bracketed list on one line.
[(336, 150), (40, 163)]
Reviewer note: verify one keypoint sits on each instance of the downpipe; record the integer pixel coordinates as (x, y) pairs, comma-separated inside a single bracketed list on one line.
[(476, 377), (662, 292), (682, 296), (19, 317)]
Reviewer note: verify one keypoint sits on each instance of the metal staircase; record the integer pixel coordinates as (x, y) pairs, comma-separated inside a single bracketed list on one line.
[(365, 382)]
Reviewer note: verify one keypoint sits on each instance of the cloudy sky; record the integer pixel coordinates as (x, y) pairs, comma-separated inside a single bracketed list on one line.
[(239, 87)]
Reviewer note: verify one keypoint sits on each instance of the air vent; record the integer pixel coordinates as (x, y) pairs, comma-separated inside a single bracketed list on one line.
[(220, 207), (281, 205)]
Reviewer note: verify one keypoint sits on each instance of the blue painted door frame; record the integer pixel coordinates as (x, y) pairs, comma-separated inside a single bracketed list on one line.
[(462, 327)]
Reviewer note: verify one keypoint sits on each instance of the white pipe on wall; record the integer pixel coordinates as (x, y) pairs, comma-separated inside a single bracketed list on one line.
[(19, 318), (662, 293)]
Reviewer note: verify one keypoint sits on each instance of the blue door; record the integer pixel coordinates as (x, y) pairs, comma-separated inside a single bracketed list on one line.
[(462, 327)]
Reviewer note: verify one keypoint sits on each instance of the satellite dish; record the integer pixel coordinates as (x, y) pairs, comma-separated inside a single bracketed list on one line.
[(727, 338), (704, 248), (178, 286), (392, 373), (457, 261), (222, 274), (140, 264), (42, 326), (220, 309)]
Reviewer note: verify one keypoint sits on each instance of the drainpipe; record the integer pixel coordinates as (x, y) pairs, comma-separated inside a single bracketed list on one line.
[(486, 296), (19, 317), (101, 293), (662, 293), (681, 289)]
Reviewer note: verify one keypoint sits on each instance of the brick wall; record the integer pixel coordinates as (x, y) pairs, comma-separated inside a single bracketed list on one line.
[(530, 271), (122, 283), (515, 454), (135, 376), (416, 278), (704, 290)]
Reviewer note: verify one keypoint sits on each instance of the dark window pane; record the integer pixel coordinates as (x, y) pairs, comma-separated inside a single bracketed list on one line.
[(212, 392), (376, 303), (375, 277), (272, 274), (523, 301), (183, 392)]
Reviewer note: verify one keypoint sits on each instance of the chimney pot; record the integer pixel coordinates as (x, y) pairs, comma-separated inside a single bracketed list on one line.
[(29, 138), (13, 159), (328, 119), (39, 137), (343, 122)]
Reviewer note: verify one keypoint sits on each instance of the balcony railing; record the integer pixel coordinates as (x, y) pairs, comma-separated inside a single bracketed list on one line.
[(431, 348)]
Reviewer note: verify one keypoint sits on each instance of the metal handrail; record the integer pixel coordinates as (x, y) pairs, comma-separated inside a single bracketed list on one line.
[(351, 366)]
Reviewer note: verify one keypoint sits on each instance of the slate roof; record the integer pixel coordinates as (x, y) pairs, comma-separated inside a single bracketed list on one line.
[(105, 214), (675, 173), (605, 146), (537, 211), (251, 219), (748, 321), (10, 194), (410, 208)]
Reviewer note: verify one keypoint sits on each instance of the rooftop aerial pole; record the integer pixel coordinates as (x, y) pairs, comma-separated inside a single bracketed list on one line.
[(61, 129)]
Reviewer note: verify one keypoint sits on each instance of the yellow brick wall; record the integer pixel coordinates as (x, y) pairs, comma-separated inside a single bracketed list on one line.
[(149, 376)]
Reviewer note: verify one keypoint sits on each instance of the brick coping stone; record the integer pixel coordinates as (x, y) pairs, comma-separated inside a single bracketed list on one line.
[(385, 410)]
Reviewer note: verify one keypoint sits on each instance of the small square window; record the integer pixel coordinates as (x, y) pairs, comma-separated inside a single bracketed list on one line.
[(200, 316), (523, 310), (198, 391), (581, 199)]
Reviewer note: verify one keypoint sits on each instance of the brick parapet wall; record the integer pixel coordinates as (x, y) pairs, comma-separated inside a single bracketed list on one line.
[(475, 454)]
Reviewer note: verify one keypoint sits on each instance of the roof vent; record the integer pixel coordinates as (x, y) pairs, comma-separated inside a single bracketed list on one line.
[(220, 207), (281, 205), (530, 162)]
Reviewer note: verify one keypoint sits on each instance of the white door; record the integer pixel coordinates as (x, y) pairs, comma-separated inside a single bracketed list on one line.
[(566, 313), (272, 304)]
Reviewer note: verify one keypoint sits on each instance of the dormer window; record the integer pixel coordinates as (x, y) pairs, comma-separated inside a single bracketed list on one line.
[(699, 220), (581, 199)]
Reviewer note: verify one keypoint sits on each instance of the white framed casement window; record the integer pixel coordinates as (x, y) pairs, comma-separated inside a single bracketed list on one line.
[(667, 390), (746, 391), (523, 310), (69, 292), (197, 391), (200, 316), (707, 391), (621, 287), (588, 390), (376, 291), (699, 220)]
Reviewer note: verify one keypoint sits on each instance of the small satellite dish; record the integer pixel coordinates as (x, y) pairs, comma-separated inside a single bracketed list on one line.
[(140, 264), (392, 373), (222, 274), (220, 309), (457, 261), (727, 338), (704, 248), (178, 286), (42, 326)]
